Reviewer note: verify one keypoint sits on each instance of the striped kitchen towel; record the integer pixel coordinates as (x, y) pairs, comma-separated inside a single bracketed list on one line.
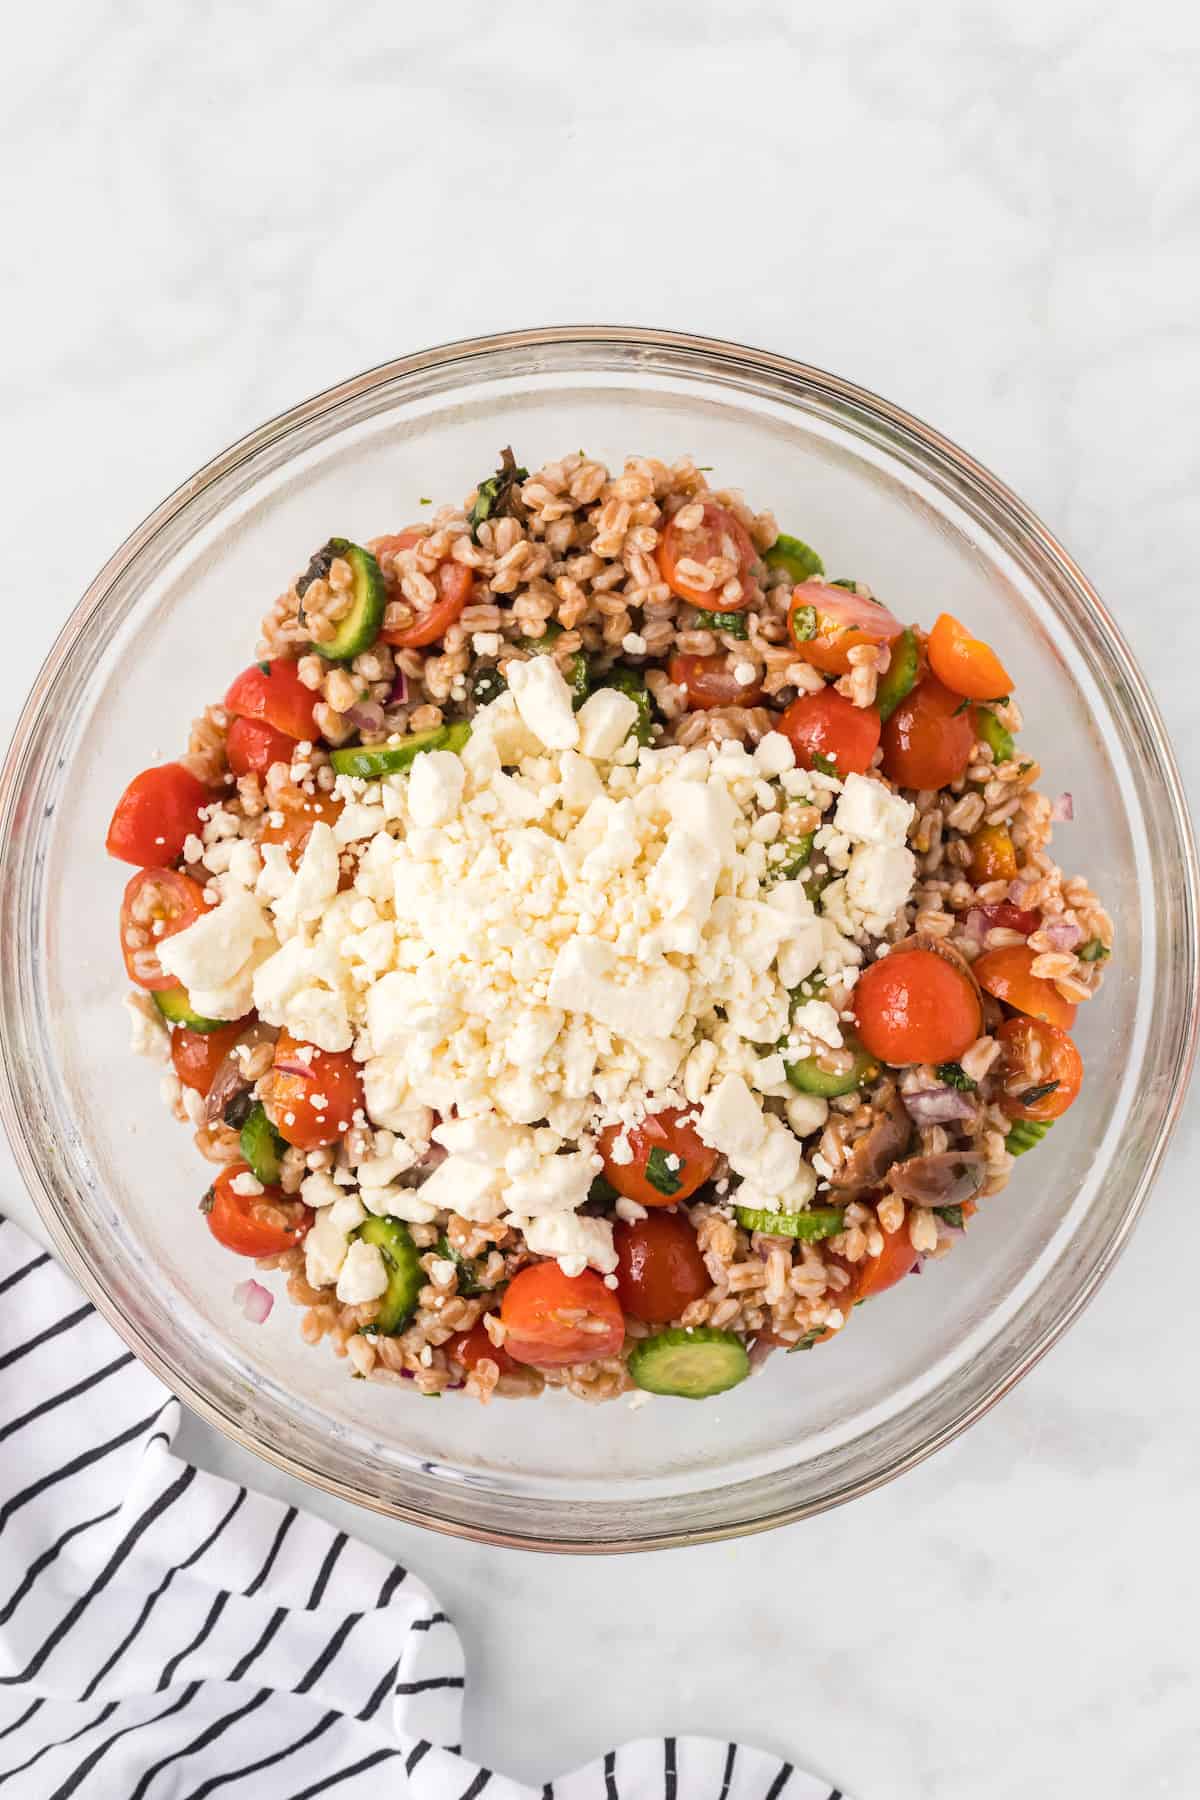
[(165, 1635)]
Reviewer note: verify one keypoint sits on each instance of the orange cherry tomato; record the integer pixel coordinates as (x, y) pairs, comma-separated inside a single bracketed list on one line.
[(158, 810), (274, 693), (929, 738), (254, 1224), (719, 534), (314, 1093), (1008, 974), (470, 1348), (710, 681), (197, 1055), (660, 1270), (661, 1140), (1034, 1055), (914, 1006), (965, 664), (454, 582), (831, 727), (993, 856), (875, 1274), (826, 623), (552, 1319), (393, 541), (291, 822), (253, 747), (157, 903)]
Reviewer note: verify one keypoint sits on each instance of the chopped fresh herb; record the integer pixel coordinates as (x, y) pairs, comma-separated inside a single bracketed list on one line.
[(955, 1076), (827, 765), (843, 583), (319, 565), (602, 1192), (953, 1215), (209, 1200), (497, 497), (1033, 1094), (705, 468), (265, 667), (803, 624), (660, 1174), (1024, 768), (485, 686), (733, 624), (796, 853), (424, 500), (1093, 951), (468, 1283), (960, 709), (1025, 1135), (238, 1108), (808, 1340)]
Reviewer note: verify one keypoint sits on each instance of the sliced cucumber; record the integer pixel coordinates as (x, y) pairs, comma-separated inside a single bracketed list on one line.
[(795, 556), (818, 1222), (808, 1077), (176, 1008), (392, 1238), (796, 855), (633, 683), (901, 677), (369, 762), (689, 1365), (262, 1146), (996, 736), (1026, 1134), (361, 625)]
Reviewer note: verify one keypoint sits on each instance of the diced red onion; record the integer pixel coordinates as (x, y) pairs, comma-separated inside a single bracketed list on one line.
[(295, 1066), (255, 1301), (366, 716), (1063, 807), (1017, 892), (937, 1106), (399, 693), (1063, 934), (974, 925), (943, 1179)]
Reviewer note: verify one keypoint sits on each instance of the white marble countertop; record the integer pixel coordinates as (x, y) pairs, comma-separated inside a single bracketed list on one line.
[(988, 214)]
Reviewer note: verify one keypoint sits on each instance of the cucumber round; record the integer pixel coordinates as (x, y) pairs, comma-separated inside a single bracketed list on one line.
[(369, 762), (689, 1365), (176, 1008), (795, 556), (901, 677), (392, 1238), (819, 1222), (797, 853), (1026, 1134), (808, 1077), (996, 736), (361, 625), (262, 1146)]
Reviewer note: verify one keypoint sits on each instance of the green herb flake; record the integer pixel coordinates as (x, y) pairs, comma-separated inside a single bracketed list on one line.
[(424, 500), (1094, 951), (803, 624), (464, 1268), (602, 1192), (807, 1341), (497, 497), (960, 709), (825, 765), (265, 667), (1032, 1095), (733, 624), (660, 1174), (955, 1076), (953, 1215), (843, 583), (1024, 768)]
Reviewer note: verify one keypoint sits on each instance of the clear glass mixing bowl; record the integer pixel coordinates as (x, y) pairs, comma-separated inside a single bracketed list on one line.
[(158, 634)]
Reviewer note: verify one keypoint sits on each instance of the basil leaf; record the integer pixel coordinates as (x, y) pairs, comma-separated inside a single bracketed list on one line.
[(1033, 1094), (659, 1173), (1093, 951), (497, 497), (953, 1215), (602, 1191), (955, 1076), (827, 765), (733, 624)]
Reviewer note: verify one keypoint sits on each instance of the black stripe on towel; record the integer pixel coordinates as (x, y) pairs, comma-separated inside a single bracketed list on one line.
[(358, 1768), (10, 1281), (84, 1461), (71, 1393), (780, 1782), (71, 1785)]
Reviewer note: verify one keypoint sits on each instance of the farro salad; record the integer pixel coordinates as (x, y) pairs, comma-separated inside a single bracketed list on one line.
[(593, 948)]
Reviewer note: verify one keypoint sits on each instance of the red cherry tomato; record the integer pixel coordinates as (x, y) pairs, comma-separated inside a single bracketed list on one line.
[(158, 810), (393, 541), (967, 665), (313, 1093), (915, 1007), (1034, 1055), (552, 1319), (649, 1178), (290, 822), (660, 1270), (258, 1224), (197, 1055), (826, 623), (253, 747), (157, 903), (719, 534), (710, 681), (877, 1273), (454, 582), (832, 727), (470, 1348), (1008, 974), (1013, 918), (274, 694), (928, 740)]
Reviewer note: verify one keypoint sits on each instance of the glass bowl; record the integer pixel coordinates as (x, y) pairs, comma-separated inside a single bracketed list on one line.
[(157, 636)]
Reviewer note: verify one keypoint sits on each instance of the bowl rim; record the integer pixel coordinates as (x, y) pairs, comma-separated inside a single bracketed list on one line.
[(932, 443)]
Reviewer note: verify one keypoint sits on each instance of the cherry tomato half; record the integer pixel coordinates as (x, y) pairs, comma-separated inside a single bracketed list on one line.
[(470, 1348), (832, 727), (965, 664), (274, 693), (1008, 974), (156, 904), (993, 854), (710, 681), (158, 810), (1012, 918), (928, 740), (826, 623), (914, 1006), (875, 1274), (313, 1093), (719, 534), (393, 541), (453, 582), (660, 1270), (1034, 1055), (253, 747), (552, 1319), (197, 1055), (254, 1224), (661, 1140), (290, 823)]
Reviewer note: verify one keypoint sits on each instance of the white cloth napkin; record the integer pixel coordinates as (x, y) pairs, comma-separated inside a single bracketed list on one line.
[(165, 1635)]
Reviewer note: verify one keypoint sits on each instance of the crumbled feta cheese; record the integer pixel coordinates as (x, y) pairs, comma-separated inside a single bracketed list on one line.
[(578, 1243), (731, 1119), (544, 702), (633, 644), (817, 1019), (435, 787), (319, 1189), (363, 1275), (324, 1249), (806, 1113), (869, 812), (628, 1211), (605, 720), (774, 755), (215, 959), (247, 1185), (487, 643), (744, 673), (147, 1028)]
